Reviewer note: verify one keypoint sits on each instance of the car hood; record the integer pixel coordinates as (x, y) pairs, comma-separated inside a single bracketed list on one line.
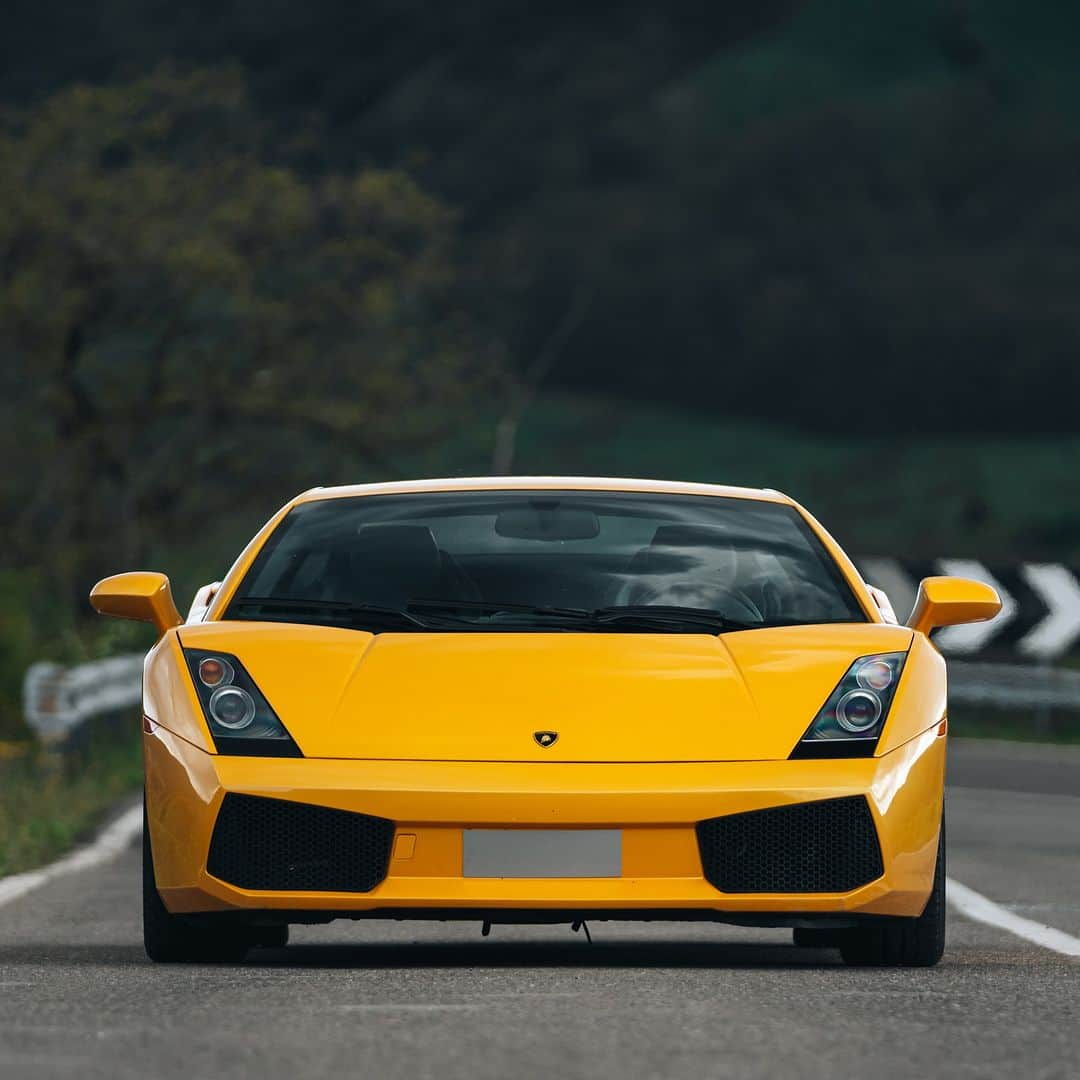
[(740, 696)]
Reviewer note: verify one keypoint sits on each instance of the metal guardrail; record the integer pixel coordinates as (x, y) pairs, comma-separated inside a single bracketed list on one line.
[(1013, 685), (56, 700)]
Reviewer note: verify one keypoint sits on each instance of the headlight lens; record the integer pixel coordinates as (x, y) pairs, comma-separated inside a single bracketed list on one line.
[(240, 718), (850, 722), (875, 675), (857, 711), (232, 708)]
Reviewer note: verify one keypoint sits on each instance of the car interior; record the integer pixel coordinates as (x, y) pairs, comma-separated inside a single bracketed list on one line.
[(698, 566)]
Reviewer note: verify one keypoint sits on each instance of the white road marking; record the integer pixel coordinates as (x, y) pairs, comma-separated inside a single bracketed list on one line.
[(976, 906), (105, 846), (124, 830)]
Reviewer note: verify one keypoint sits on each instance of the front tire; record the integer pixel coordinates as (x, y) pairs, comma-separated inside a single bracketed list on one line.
[(897, 942), (180, 939)]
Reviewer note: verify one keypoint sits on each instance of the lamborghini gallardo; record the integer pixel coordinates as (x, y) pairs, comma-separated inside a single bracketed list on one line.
[(534, 700)]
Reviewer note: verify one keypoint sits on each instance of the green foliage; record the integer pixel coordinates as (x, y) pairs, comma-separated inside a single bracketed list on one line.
[(189, 334), (46, 805), (881, 494), (189, 330), (864, 218), (857, 221), (769, 203), (834, 51), (18, 641)]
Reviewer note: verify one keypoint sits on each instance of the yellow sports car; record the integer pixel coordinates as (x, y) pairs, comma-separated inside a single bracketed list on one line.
[(544, 700)]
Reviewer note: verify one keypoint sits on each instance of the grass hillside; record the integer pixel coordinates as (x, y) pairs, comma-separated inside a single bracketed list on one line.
[(992, 498), (832, 51)]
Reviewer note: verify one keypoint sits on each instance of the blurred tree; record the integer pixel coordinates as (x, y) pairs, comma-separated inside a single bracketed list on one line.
[(185, 329), (912, 258), (768, 195), (533, 118), (521, 386)]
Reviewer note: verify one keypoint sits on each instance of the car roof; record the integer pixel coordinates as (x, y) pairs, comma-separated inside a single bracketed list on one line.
[(542, 483)]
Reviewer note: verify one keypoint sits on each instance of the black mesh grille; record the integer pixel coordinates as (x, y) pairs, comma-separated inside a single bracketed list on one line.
[(274, 844), (826, 846)]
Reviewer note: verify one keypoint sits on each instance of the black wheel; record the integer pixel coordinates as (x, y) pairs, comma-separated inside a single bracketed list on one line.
[(917, 942), (180, 939)]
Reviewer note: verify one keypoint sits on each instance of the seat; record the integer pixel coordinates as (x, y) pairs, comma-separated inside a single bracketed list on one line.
[(392, 564)]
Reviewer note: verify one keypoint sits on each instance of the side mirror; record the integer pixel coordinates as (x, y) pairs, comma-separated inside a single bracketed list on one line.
[(141, 595), (946, 601)]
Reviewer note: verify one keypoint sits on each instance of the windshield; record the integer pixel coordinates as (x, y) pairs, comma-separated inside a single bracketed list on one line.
[(544, 560)]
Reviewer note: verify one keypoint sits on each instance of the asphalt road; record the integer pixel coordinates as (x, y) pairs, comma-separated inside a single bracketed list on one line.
[(77, 996)]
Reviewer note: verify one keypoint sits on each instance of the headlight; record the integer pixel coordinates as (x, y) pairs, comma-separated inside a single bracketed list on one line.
[(850, 722), (239, 717), (857, 711), (232, 708)]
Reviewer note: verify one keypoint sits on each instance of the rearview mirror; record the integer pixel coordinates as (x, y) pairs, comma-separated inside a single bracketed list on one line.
[(946, 601), (141, 595), (547, 520)]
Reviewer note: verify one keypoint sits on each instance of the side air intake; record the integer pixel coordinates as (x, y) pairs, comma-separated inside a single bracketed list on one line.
[(283, 846), (815, 847)]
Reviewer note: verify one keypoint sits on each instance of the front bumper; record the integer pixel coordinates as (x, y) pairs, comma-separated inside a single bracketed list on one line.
[(657, 807)]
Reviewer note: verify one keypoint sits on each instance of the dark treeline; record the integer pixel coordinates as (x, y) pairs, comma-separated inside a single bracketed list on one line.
[(757, 208), (247, 247)]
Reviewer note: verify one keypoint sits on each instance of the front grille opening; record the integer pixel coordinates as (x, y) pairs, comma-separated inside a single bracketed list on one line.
[(274, 844), (826, 846)]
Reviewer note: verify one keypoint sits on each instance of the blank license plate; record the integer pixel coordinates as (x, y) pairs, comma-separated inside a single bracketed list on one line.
[(542, 853)]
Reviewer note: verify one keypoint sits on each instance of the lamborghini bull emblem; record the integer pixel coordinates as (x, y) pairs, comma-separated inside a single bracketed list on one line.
[(546, 738)]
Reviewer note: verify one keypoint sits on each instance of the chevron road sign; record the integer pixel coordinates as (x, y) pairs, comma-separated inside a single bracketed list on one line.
[(1040, 605)]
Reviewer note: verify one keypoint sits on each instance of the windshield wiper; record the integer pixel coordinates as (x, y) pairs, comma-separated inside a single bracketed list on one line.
[(668, 616), (332, 608), (653, 616), (497, 607), (661, 617)]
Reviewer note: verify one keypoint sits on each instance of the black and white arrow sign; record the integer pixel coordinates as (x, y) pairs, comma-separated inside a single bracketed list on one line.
[(1059, 591), (1040, 604)]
